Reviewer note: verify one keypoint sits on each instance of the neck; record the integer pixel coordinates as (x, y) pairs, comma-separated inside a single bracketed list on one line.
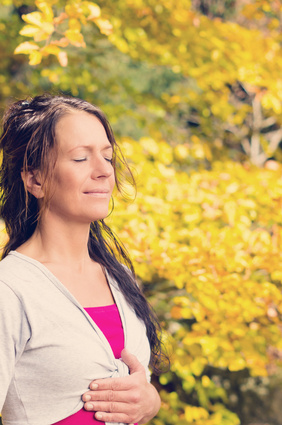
[(58, 242)]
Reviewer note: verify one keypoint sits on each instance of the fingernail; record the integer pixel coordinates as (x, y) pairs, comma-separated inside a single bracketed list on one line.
[(89, 406), (87, 397), (99, 416), (93, 386)]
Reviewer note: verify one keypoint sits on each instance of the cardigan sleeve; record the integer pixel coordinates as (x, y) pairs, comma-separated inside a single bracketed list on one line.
[(14, 333), (143, 352), (137, 330)]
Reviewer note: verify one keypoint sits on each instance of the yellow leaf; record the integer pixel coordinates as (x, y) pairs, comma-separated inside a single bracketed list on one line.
[(63, 58), (94, 10), (61, 18), (75, 38), (237, 363), (41, 36), (48, 28), (73, 10), (74, 24), (181, 152), (35, 58), (46, 9), (53, 49), (37, 19), (276, 275), (29, 30), (26, 48), (50, 49), (189, 383), (193, 413), (230, 211), (104, 26), (63, 42), (197, 366), (176, 312), (259, 371), (34, 18), (206, 381)]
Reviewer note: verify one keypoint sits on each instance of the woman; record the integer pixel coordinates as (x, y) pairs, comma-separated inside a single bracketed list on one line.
[(68, 307)]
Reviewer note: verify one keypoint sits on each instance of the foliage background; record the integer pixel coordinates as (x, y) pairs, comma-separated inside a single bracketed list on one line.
[(193, 90)]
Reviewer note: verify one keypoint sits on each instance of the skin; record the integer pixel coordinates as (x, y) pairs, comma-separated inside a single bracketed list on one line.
[(131, 399), (82, 184)]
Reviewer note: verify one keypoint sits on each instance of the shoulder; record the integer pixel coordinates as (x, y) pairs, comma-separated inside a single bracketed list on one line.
[(10, 267), (10, 273), (13, 320), (15, 262), (20, 273), (12, 260)]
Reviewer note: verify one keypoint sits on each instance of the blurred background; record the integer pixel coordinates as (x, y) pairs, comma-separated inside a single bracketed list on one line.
[(193, 91)]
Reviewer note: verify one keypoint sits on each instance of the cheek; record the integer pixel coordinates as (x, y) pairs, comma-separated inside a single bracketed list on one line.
[(113, 180), (64, 183)]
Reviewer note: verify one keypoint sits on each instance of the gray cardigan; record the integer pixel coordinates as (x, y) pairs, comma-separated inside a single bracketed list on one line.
[(50, 348)]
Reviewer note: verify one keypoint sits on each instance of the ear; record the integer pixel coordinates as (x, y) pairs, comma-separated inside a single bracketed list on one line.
[(32, 181)]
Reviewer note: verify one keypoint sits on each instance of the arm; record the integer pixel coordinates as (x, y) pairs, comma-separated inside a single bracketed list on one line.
[(131, 399)]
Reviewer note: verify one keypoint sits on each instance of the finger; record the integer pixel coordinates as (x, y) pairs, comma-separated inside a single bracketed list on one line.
[(115, 417), (114, 384), (110, 407), (131, 361), (106, 395), (114, 412)]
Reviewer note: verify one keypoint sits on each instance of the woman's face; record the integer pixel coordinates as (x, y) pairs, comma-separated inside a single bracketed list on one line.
[(83, 176)]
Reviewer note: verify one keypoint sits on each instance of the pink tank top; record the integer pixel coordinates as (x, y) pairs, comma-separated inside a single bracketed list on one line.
[(108, 320)]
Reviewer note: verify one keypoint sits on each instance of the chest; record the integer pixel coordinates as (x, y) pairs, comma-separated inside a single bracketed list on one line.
[(63, 355), (90, 287)]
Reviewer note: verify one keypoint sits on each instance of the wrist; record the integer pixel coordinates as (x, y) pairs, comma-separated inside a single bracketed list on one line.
[(154, 407)]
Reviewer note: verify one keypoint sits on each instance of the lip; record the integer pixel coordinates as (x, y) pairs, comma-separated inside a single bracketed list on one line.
[(98, 193)]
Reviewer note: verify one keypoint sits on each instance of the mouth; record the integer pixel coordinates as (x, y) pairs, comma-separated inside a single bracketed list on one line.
[(98, 193)]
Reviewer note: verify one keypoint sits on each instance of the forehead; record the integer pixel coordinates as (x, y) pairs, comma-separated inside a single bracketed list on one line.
[(80, 128)]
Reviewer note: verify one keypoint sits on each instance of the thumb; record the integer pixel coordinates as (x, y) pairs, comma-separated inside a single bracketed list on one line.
[(131, 361)]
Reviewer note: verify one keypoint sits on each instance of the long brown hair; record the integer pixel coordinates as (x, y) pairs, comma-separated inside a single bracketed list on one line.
[(28, 143)]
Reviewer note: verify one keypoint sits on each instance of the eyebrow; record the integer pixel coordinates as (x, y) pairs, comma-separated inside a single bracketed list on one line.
[(107, 147)]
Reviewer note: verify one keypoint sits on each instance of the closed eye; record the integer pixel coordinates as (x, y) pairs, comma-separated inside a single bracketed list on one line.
[(110, 160)]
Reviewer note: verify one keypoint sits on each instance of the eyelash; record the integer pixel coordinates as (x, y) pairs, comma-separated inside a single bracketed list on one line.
[(110, 160)]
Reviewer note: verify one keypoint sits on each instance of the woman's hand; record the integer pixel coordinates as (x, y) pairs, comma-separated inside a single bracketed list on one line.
[(130, 399)]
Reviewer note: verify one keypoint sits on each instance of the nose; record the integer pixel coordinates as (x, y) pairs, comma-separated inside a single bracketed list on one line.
[(101, 168)]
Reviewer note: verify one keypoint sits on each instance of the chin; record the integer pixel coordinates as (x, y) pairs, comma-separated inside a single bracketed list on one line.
[(100, 215)]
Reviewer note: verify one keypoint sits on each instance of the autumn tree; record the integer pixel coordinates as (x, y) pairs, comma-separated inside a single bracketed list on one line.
[(233, 91)]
